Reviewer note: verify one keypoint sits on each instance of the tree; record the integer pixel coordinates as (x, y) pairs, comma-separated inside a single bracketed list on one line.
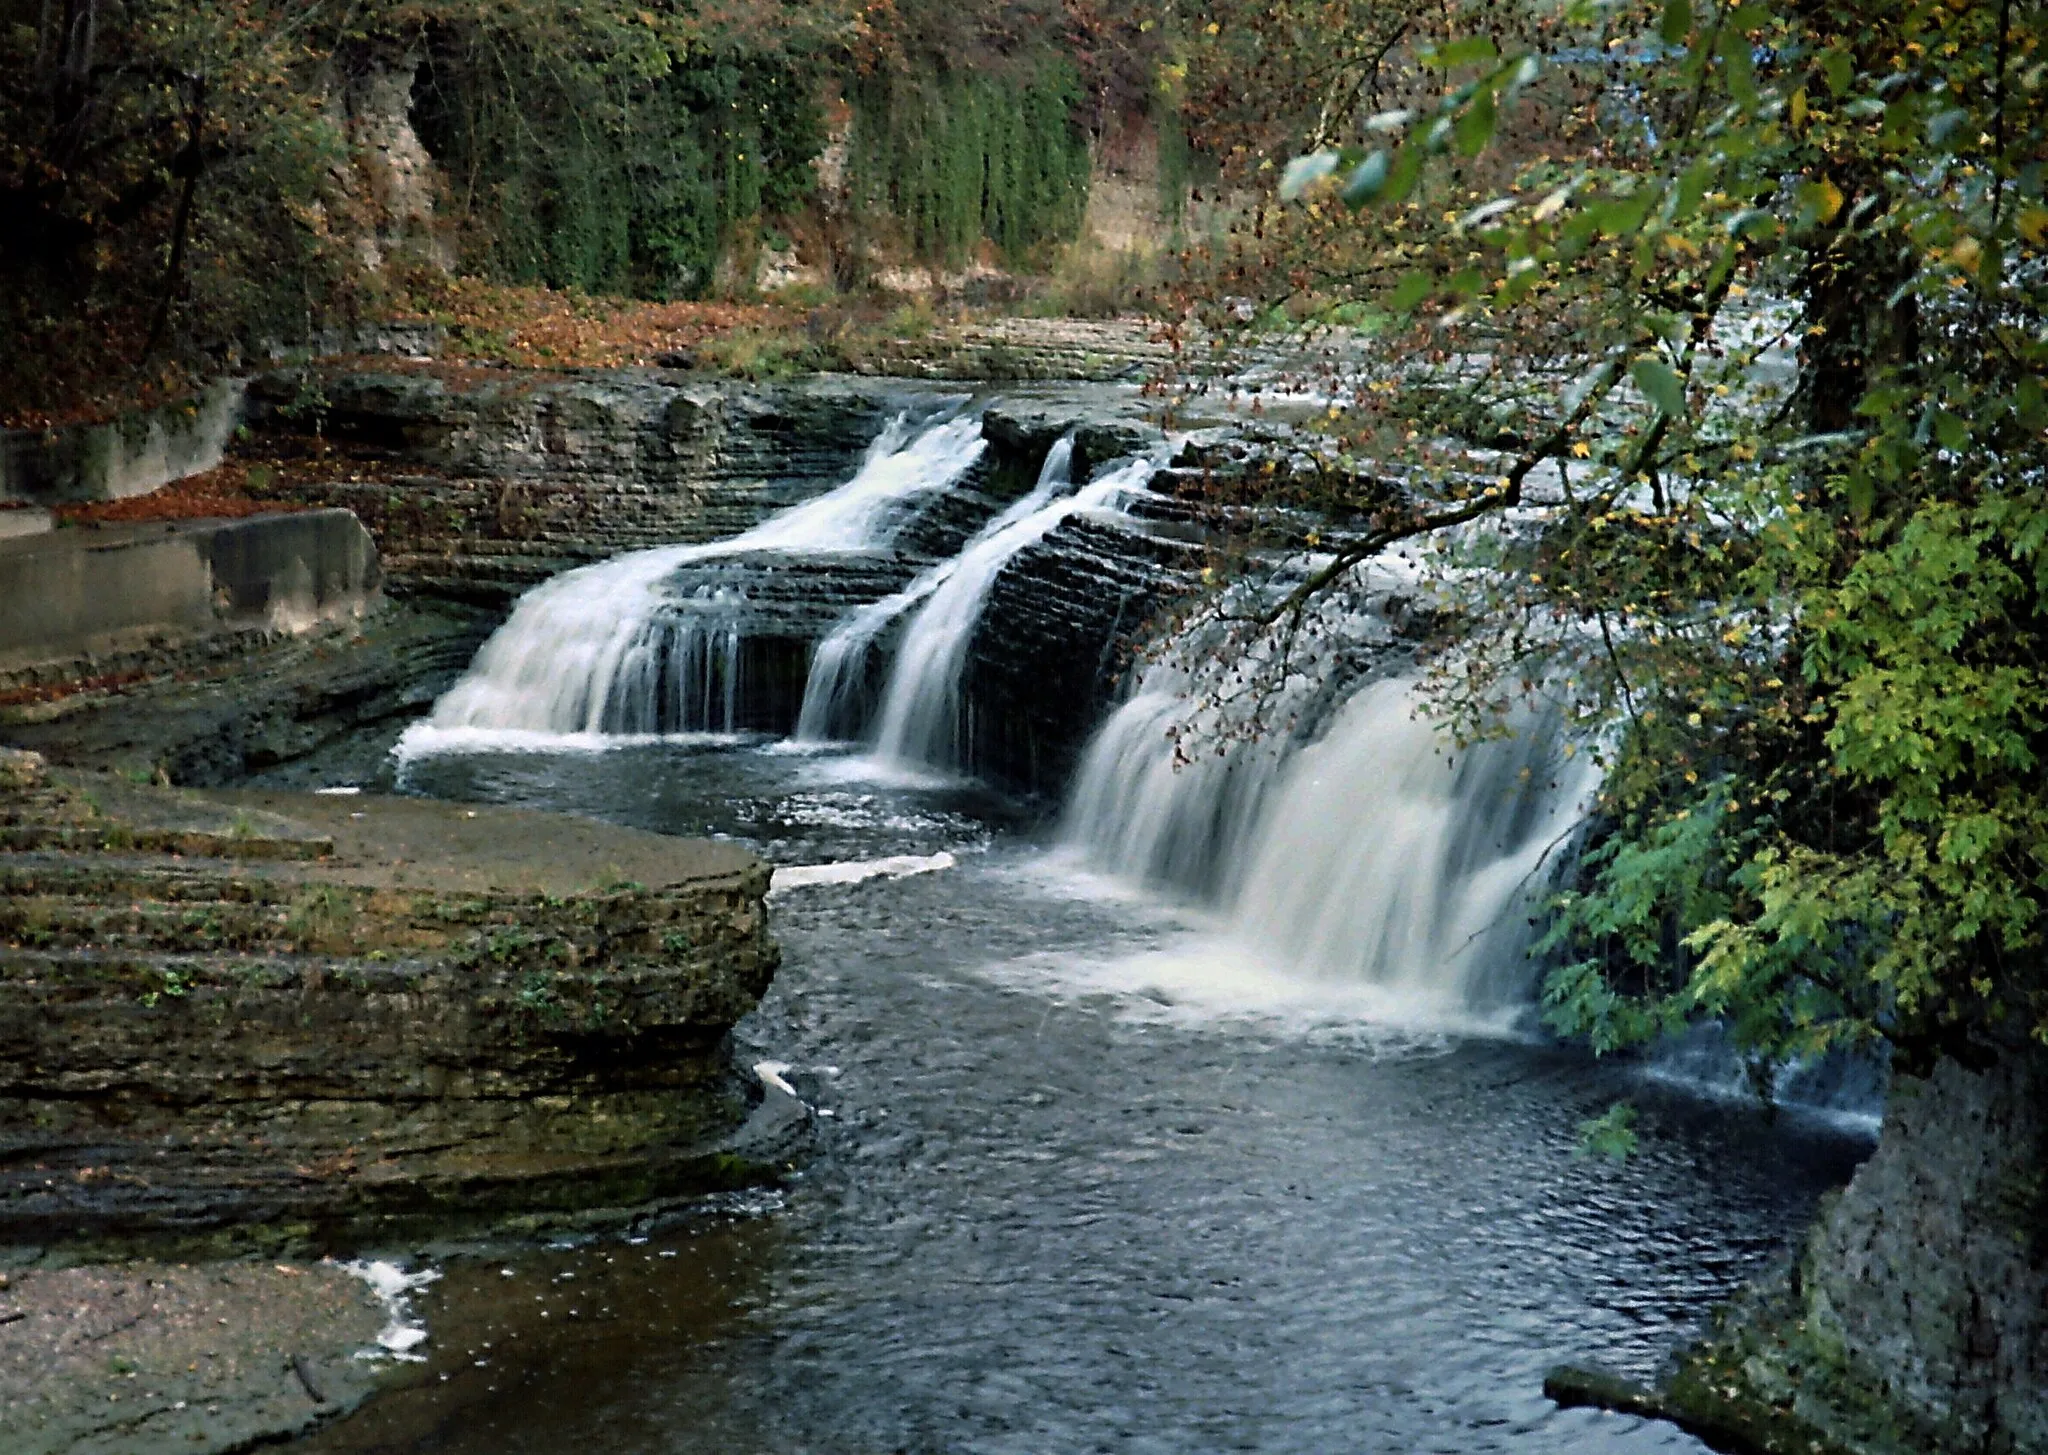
[(176, 175), (1723, 412), (1803, 621)]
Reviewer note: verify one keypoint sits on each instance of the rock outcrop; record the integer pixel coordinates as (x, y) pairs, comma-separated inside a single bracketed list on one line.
[(203, 650), (1915, 1319), (294, 1018), (480, 483), (151, 1356)]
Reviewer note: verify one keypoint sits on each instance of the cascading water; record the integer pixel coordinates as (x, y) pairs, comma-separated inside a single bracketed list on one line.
[(1387, 854), (1155, 800), (1379, 856), (614, 649), (840, 662), (919, 723)]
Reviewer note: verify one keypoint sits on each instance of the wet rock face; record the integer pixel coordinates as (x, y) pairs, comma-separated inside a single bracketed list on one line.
[(286, 1014), (1062, 627), (226, 704), (1916, 1317), (478, 484), (1931, 1272)]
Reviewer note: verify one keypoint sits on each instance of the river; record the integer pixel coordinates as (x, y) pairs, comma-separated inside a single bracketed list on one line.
[(1086, 1181)]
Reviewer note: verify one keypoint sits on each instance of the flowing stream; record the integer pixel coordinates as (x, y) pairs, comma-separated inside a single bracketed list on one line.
[(611, 649), (1070, 1195), (842, 656), (1209, 1119), (920, 719)]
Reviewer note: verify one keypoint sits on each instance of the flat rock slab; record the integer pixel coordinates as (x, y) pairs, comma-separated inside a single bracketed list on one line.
[(134, 1358), (392, 842)]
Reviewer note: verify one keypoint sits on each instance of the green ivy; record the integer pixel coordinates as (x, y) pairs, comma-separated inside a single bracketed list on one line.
[(576, 177), (960, 157)]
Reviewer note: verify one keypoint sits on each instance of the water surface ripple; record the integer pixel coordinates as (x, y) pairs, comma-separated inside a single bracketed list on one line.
[(1052, 1212)]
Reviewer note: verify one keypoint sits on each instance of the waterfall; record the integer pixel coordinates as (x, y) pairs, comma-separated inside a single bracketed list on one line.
[(920, 715), (840, 662), (613, 648), (1163, 800), (1380, 855), (1386, 853)]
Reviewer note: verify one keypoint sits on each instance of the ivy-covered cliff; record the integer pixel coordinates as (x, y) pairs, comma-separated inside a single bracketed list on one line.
[(195, 184)]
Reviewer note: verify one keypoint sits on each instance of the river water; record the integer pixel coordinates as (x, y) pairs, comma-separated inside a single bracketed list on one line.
[(1086, 1182)]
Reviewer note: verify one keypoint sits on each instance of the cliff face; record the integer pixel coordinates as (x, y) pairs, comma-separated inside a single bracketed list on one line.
[(1915, 1319), (284, 1015), (478, 483), (1928, 1278)]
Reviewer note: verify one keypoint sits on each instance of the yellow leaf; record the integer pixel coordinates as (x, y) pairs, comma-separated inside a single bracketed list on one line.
[(1582, 449), (1827, 199), (1965, 253), (2033, 225), (1799, 109)]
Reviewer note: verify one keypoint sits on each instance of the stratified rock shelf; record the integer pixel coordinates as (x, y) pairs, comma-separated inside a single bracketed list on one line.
[(296, 1020)]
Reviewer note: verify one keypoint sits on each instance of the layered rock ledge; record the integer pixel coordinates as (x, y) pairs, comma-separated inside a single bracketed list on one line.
[(294, 1020)]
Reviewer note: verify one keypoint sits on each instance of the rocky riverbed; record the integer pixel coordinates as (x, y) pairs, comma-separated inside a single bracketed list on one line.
[(250, 1028), (151, 1356)]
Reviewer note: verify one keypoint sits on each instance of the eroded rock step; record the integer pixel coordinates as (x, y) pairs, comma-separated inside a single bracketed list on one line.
[(277, 1019)]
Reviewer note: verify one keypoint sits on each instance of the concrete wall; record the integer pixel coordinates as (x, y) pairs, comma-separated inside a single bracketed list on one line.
[(132, 455), (79, 593)]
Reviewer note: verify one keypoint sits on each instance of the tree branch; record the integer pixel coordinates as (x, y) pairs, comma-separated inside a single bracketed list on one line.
[(1502, 496)]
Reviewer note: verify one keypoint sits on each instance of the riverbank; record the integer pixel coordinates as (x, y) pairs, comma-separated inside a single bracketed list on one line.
[(205, 1358)]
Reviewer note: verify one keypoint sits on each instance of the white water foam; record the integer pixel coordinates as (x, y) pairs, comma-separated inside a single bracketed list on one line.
[(1199, 981), (1381, 865), (610, 649), (840, 661), (856, 871), (920, 715), (403, 1330)]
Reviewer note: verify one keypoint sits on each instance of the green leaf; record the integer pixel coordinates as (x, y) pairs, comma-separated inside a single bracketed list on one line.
[(1476, 123), (1659, 385), (1740, 68), (1612, 1134), (1692, 186), (1407, 169), (1368, 181), (1862, 494), (1839, 71), (1304, 172), (1410, 291), (1677, 22), (1819, 202), (1472, 49)]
